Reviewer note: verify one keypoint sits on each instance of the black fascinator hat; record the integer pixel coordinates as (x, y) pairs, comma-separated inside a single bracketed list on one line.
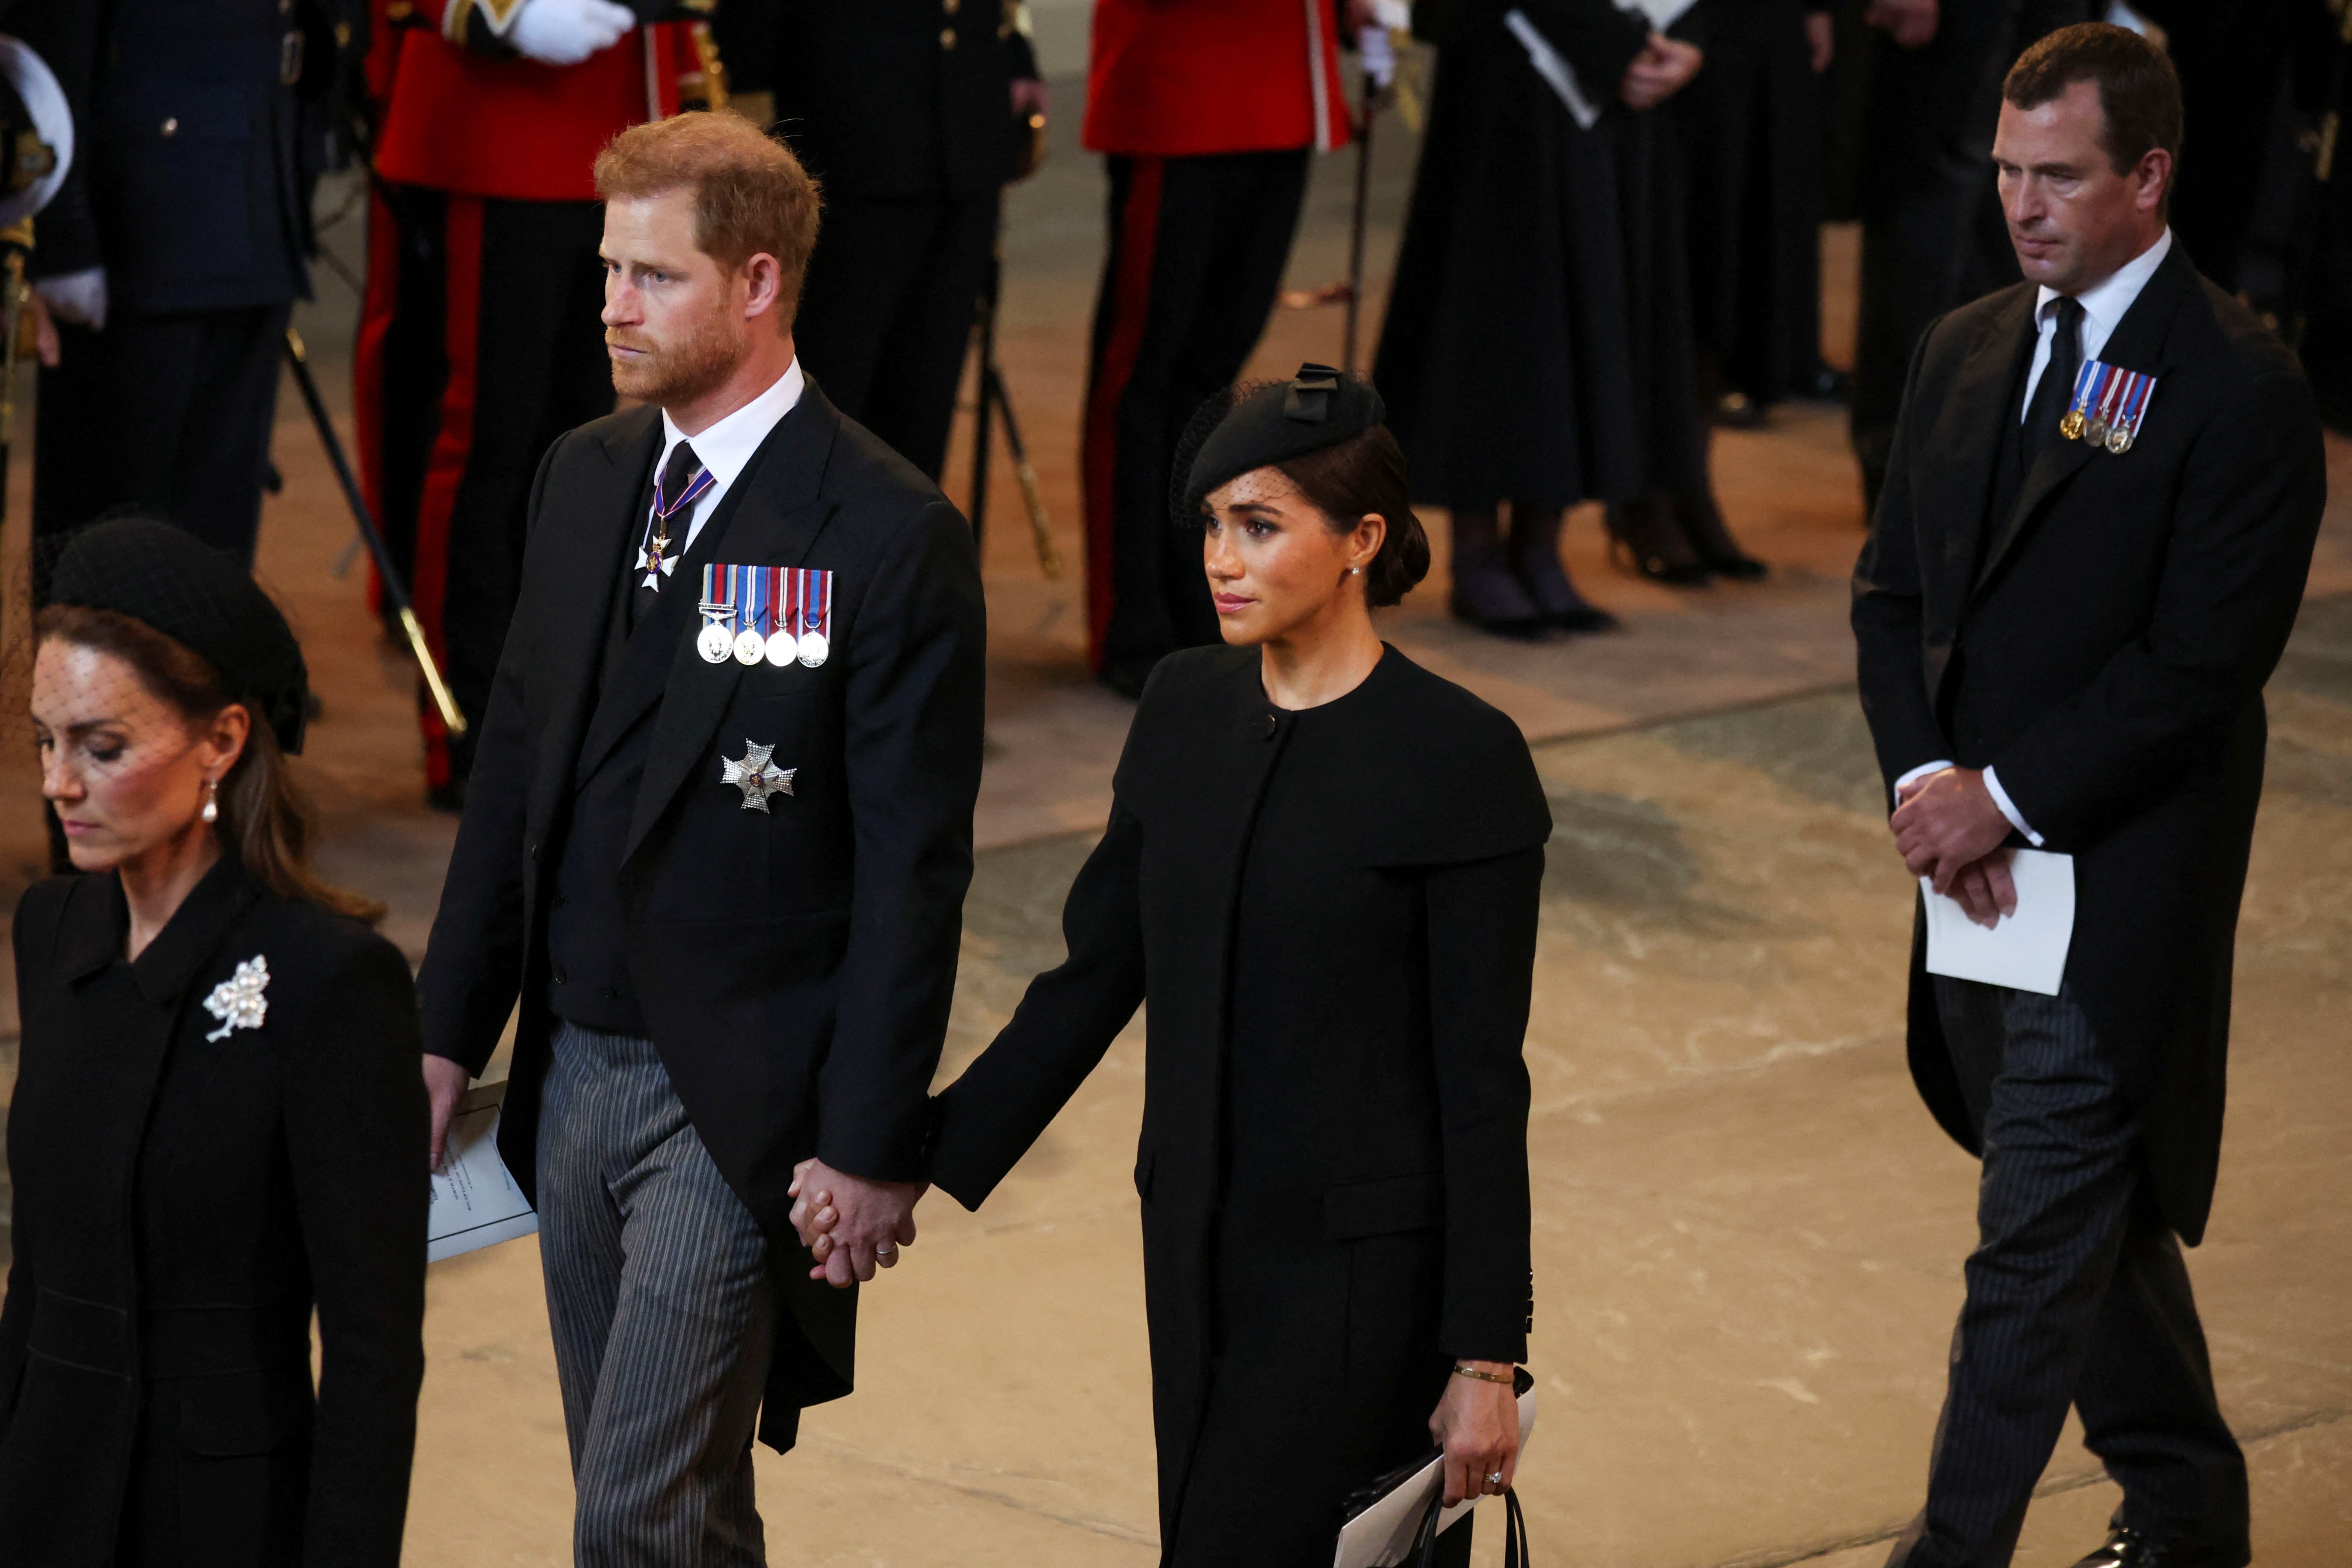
[(169, 579), (1274, 422)]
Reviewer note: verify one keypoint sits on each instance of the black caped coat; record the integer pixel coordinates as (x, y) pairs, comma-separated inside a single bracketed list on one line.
[(2102, 642), (1402, 1119), (183, 1203)]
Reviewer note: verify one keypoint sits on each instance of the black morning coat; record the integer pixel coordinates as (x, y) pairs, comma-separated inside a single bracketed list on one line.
[(1419, 1118), (795, 966), (2103, 645), (183, 1203)]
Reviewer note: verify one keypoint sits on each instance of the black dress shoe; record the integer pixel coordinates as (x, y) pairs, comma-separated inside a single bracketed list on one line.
[(1653, 541), (2135, 1549), (1710, 538)]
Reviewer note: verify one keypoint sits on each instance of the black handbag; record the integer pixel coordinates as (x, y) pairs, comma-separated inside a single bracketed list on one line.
[(1515, 1534)]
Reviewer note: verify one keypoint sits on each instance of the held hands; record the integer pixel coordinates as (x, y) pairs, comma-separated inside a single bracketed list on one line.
[(851, 1226), (1951, 832), (565, 32), (1662, 70), (1476, 1425)]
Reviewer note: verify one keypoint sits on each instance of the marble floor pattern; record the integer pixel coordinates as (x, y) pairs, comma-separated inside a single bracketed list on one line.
[(1748, 1234)]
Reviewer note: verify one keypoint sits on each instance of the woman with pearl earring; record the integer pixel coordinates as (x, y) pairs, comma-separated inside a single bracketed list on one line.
[(217, 1119)]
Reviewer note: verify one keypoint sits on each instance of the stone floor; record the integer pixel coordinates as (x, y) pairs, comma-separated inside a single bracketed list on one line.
[(1749, 1233)]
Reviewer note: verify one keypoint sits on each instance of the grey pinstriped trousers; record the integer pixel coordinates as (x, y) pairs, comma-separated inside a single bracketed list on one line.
[(2076, 1294), (659, 1293)]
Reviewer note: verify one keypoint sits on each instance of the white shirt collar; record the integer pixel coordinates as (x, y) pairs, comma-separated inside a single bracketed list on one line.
[(2104, 303), (727, 446)]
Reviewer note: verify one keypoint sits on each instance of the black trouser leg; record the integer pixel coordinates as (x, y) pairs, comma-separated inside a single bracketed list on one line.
[(1924, 173), (1198, 247), (887, 317), (2145, 1396), (168, 413), (2065, 1279), (492, 327)]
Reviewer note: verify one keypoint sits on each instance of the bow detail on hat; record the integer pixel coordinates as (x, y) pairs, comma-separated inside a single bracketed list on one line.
[(1311, 390)]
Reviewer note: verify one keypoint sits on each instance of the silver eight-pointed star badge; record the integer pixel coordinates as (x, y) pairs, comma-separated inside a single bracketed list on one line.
[(756, 775)]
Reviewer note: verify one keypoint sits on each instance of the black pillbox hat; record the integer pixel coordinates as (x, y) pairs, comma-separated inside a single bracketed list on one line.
[(196, 595), (1317, 407)]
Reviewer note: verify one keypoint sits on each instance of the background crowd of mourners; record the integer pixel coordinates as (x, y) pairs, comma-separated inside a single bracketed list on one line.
[(1612, 246)]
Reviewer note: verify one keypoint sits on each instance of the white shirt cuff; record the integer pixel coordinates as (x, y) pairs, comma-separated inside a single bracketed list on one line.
[(1921, 772), (2009, 807)]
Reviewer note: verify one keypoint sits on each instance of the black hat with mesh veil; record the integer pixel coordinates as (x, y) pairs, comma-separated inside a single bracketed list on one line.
[(199, 597), (1256, 426)]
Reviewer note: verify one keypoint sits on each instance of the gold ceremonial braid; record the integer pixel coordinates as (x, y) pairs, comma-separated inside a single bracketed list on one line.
[(500, 14), (708, 81)]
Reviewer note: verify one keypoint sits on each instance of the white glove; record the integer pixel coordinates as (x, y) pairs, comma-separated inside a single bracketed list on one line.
[(565, 32), (76, 297), (1372, 46)]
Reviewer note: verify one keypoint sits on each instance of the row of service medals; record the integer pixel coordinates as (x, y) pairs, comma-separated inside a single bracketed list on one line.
[(2108, 407), (776, 614)]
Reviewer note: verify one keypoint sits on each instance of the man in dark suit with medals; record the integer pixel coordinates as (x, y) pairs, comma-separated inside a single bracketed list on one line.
[(716, 841), (2098, 517)]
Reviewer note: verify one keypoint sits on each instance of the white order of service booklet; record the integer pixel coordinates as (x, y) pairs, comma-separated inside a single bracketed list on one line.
[(2025, 951), (476, 1202)]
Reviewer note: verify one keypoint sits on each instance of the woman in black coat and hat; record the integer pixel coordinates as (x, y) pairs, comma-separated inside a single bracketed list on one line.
[(217, 1120), (1537, 350), (1321, 870)]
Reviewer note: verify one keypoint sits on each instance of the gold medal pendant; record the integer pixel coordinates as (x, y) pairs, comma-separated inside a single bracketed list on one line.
[(2072, 425)]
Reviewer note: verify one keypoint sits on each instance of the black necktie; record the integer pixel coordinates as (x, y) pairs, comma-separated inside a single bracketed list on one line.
[(2055, 393), (665, 539)]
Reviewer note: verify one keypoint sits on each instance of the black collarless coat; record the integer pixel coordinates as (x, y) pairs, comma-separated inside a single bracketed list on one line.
[(2102, 642), (794, 966), (1398, 1118), (182, 1204)]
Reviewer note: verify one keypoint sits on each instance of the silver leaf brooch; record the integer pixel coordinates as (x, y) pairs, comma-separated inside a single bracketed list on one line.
[(238, 1002)]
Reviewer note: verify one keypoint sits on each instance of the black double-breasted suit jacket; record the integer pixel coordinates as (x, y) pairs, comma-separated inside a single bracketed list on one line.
[(794, 967), (2103, 642), (1334, 1068), (186, 1195)]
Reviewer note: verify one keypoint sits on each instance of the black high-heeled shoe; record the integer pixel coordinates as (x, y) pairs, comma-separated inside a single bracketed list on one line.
[(1645, 528), (1710, 538), (1486, 591), (1534, 552)]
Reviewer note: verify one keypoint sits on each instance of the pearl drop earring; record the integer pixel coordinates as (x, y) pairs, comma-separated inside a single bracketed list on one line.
[(212, 800)]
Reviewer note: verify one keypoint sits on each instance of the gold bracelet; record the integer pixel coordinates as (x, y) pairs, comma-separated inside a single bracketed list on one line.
[(1461, 1371)]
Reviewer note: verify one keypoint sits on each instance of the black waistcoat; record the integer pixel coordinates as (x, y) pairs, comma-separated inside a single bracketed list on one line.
[(588, 973)]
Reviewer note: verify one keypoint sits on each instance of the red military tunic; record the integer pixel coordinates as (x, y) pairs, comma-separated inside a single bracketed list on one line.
[(1214, 76), (457, 120)]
